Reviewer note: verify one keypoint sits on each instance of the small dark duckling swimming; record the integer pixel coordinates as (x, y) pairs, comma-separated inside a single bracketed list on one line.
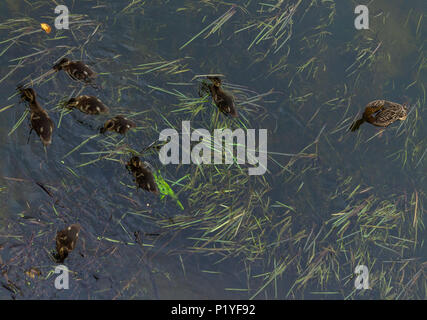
[(88, 104), (40, 121), (66, 241), (223, 100), (143, 176), (118, 124), (77, 70), (27, 94), (381, 113)]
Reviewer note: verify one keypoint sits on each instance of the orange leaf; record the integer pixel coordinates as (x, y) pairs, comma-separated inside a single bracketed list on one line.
[(46, 27)]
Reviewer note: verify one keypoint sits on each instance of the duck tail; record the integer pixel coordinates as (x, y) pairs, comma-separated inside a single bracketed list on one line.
[(356, 125)]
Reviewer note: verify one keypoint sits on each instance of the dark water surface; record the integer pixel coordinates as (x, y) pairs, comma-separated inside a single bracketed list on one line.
[(331, 200)]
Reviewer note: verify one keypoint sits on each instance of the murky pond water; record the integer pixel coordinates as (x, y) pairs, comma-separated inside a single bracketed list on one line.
[(331, 199)]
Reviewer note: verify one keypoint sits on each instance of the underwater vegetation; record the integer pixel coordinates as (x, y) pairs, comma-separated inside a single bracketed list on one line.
[(331, 200)]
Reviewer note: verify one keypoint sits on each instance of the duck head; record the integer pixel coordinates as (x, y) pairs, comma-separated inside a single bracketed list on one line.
[(63, 62)]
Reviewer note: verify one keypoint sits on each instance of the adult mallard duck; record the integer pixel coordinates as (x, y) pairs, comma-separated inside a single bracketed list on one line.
[(381, 113), (223, 100), (66, 241), (40, 121), (87, 104), (118, 124), (144, 178), (77, 70)]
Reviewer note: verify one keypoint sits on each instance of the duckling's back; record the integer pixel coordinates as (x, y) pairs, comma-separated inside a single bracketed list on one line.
[(42, 125), (88, 104)]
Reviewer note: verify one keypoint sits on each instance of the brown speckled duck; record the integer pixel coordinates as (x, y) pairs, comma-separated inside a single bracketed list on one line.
[(118, 124), (381, 113), (88, 104), (223, 100), (143, 176), (77, 70), (66, 241), (40, 121)]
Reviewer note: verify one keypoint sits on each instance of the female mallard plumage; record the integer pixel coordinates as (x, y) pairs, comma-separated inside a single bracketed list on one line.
[(223, 100), (381, 113), (40, 121), (118, 124), (87, 104), (77, 70), (66, 241), (143, 176)]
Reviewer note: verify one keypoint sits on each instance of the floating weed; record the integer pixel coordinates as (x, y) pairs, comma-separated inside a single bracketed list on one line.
[(165, 189), (168, 67), (275, 25), (18, 123), (326, 214), (80, 145), (133, 6), (7, 107), (215, 25)]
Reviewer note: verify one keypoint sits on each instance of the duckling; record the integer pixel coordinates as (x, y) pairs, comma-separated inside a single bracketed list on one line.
[(33, 272), (40, 121), (77, 70), (118, 124), (66, 241), (27, 94), (223, 100), (381, 113), (88, 104), (143, 176)]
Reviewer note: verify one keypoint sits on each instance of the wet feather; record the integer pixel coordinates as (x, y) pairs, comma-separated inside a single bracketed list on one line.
[(222, 99), (40, 121), (142, 174), (77, 70), (66, 241), (381, 113), (118, 124), (88, 104)]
